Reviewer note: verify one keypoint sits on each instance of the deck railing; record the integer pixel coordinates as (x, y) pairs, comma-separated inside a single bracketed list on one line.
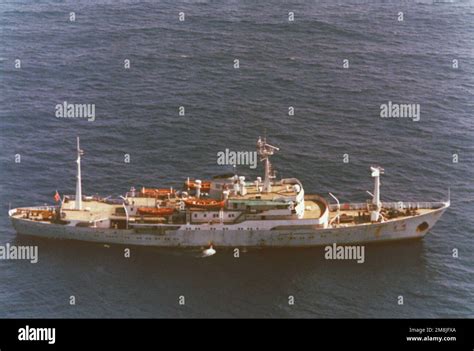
[(86, 197), (38, 208), (401, 205), (17, 210)]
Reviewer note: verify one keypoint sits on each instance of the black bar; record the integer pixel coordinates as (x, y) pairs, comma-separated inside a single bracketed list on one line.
[(246, 334)]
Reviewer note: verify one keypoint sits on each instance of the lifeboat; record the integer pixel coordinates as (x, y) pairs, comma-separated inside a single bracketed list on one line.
[(151, 211), (205, 203), (205, 185), (154, 192)]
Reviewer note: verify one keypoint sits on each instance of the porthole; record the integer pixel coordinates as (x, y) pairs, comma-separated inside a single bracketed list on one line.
[(422, 227)]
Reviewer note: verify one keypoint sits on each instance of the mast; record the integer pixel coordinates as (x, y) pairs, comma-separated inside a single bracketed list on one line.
[(377, 205), (265, 151), (78, 201)]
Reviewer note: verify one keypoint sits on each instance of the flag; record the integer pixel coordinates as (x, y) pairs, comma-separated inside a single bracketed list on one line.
[(57, 198)]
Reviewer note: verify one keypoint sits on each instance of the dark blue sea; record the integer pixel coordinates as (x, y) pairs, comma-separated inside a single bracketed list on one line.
[(282, 63)]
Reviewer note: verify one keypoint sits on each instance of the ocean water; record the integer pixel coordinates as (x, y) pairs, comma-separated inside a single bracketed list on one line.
[(282, 64)]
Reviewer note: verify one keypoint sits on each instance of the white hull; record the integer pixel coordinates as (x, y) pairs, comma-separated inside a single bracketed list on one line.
[(398, 229)]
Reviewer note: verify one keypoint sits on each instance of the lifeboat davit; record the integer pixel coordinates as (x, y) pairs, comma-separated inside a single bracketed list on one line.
[(151, 211), (205, 185), (154, 192), (205, 203)]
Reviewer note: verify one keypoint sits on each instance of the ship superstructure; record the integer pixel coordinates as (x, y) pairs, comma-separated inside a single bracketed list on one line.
[(228, 210)]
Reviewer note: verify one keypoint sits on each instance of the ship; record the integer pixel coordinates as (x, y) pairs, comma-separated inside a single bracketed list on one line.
[(228, 211)]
